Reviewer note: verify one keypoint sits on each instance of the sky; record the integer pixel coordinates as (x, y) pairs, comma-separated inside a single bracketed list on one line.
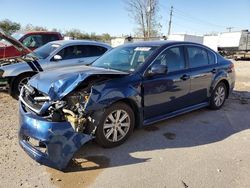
[(110, 16)]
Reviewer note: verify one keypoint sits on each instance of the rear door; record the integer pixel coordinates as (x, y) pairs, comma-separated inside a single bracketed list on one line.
[(202, 68)]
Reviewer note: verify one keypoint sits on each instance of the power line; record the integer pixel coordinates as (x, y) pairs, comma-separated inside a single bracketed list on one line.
[(229, 29), (188, 27), (187, 15), (179, 13)]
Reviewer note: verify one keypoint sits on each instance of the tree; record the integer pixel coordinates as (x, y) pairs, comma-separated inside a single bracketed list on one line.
[(145, 15), (106, 37), (77, 34), (9, 26), (30, 27)]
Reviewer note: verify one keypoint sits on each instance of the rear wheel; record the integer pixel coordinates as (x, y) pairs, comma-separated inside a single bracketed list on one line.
[(218, 96), (116, 125), (18, 83)]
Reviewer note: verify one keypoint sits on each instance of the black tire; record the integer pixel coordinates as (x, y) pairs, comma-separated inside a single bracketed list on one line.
[(14, 90), (214, 104), (101, 131)]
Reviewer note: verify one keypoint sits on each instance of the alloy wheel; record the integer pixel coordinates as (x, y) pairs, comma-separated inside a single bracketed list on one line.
[(116, 125), (22, 83), (220, 95)]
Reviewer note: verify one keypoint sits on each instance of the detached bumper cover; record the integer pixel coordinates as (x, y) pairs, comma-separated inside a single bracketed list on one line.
[(60, 139)]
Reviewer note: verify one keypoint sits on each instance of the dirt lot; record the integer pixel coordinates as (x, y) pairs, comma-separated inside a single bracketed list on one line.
[(200, 149)]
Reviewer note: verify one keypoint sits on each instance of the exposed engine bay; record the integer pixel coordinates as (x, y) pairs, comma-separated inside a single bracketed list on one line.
[(71, 108), (13, 60), (8, 61)]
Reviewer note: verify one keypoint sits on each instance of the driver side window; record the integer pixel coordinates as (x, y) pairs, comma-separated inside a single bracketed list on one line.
[(173, 58), (74, 52)]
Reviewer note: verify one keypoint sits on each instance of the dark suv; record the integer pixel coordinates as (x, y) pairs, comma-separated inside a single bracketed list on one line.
[(131, 86)]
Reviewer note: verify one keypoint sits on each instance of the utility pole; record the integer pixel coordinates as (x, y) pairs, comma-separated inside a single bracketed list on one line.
[(170, 20), (149, 10), (229, 29)]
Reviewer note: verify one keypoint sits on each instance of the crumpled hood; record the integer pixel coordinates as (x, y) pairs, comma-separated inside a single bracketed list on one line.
[(57, 83)]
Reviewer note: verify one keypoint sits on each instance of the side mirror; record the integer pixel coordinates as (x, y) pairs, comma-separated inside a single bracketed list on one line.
[(158, 69), (57, 58)]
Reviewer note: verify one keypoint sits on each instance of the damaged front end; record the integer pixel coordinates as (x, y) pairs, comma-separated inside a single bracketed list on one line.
[(59, 128)]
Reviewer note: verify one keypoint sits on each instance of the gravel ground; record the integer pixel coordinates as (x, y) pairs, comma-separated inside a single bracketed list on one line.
[(200, 149)]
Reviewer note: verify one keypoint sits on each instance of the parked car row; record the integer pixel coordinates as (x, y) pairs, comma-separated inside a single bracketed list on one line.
[(130, 86), (15, 72)]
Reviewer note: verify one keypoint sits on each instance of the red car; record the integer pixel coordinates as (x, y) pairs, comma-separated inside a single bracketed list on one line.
[(32, 40)]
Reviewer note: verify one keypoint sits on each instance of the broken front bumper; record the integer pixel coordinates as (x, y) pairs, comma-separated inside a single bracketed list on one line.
[(59, 139)]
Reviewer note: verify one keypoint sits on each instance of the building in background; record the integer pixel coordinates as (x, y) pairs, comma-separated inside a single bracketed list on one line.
[(212, 41), (186, 37)]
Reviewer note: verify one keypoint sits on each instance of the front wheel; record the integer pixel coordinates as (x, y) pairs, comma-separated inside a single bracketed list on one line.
[(218, 96), (18, 83), (116, 125)]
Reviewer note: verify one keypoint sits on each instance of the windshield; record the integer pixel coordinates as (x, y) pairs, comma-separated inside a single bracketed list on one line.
[(44, 51), (126, 59), (17, 36)]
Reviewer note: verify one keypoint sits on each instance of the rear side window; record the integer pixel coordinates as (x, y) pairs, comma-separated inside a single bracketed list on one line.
[(81, 51), (197, 57), (96, 50), (211, 57), (173, 58), (49, 37), (73, 52)]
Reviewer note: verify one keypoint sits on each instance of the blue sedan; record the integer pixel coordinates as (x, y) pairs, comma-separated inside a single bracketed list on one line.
[(131, 86)]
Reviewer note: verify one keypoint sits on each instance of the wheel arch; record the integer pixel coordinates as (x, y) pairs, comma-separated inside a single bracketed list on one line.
[(133, 105), (227, 86), (225, 81), (12, 81)]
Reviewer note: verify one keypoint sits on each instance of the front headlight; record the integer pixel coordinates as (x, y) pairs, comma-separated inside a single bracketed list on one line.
[(1, 73)]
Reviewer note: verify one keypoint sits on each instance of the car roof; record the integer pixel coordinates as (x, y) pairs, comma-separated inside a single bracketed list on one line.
[(78, 42), (160, 43), (37, 32)]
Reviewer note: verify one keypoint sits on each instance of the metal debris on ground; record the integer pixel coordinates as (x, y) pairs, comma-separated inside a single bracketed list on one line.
[(184, 184), (219, 170)]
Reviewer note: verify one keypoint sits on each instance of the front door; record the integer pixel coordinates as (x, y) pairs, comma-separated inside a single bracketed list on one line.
[(167, 93), (77, 55)]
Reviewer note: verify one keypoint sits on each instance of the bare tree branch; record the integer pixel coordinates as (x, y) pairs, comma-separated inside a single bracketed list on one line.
[(144, 13)]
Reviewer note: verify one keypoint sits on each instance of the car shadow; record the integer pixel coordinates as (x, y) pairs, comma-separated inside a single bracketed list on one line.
[(198, 128)]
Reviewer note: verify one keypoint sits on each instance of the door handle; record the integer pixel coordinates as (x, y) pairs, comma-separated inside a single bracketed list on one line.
[(213, 71), (185, 77)]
